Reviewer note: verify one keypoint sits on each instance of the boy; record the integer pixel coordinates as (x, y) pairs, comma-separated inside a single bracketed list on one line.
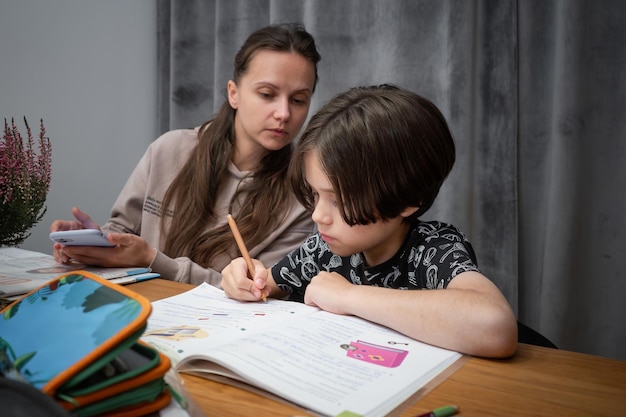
[(368, 165)]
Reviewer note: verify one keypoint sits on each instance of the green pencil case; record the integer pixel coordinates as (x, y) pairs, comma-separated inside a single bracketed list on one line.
[(76, 340)]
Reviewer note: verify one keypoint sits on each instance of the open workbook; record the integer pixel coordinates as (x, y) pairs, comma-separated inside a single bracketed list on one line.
[(329, 364), (22, 271)]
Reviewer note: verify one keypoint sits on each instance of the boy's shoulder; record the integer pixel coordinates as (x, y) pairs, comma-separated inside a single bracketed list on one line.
[(435, 235), (434, 228)]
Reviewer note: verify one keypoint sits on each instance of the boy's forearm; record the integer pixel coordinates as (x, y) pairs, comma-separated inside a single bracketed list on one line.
[(450, 318)]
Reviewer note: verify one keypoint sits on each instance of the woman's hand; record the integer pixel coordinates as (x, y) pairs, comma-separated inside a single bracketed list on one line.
[(129, 250), (82, 221)]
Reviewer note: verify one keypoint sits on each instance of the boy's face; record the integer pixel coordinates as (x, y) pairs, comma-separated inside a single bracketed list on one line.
[(378, 241)]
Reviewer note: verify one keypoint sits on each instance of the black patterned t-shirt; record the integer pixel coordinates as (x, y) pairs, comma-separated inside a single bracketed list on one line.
[(432, 254)]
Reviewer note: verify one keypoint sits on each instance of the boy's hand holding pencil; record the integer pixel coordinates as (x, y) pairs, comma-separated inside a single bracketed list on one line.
[(244, 251)]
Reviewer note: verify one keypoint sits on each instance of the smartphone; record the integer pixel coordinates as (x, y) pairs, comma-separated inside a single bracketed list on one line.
[(80, 237)]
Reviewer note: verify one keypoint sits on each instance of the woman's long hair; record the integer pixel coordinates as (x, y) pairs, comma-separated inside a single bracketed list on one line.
[(261, 203)]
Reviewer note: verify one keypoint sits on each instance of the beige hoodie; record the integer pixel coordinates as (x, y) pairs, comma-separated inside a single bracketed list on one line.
[(136, 211)]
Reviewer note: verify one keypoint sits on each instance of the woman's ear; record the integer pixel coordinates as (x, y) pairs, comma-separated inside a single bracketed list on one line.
[(408, 211), (233, 96)]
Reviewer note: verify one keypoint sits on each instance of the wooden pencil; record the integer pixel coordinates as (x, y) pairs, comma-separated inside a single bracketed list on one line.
[(243, 249)]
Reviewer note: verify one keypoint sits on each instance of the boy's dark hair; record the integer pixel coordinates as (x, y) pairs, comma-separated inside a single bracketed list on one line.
[(382, 148)]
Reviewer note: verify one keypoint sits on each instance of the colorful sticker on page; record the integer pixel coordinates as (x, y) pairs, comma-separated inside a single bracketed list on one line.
[(376, 354)]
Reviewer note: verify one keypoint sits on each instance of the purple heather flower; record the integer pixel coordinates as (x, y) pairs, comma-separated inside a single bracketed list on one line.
[(25, 174)]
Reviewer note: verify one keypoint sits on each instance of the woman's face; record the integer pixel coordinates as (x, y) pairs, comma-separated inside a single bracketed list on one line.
[(272, 100)]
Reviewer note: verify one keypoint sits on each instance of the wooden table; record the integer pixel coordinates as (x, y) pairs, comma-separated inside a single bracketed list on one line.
[(536, 381)]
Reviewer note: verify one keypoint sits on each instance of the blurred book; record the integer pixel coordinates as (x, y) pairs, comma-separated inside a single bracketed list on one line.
[(22, 271)]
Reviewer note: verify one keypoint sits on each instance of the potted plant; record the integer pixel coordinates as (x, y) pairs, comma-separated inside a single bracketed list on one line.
[(25, 173)]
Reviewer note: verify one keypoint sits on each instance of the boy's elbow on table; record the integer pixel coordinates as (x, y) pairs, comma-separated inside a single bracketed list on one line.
[(501, 338)]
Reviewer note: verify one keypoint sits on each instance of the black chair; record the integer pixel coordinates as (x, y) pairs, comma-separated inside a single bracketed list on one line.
[(532, 337), (21, 399)]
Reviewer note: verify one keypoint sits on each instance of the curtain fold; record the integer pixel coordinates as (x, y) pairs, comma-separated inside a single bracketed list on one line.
[(533, 93), (572, 172)]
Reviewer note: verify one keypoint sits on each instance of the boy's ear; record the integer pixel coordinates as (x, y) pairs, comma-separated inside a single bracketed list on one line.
[(408, 211)]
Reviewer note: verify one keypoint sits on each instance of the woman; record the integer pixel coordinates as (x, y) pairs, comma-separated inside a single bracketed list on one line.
[(171, 214)]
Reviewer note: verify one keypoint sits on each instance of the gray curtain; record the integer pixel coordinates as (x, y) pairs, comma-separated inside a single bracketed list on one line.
[(534, 91)]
